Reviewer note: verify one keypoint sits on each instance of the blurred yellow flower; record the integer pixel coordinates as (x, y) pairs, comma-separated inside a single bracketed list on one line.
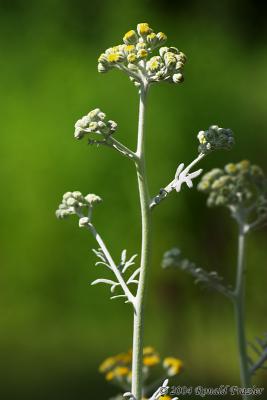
[(173, 365), (152, 360)]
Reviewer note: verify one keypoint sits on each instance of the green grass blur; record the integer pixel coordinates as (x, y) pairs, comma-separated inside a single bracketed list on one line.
[(54, 328)]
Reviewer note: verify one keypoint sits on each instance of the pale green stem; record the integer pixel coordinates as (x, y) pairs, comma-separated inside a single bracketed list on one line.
[(138, 327), (239, 304)]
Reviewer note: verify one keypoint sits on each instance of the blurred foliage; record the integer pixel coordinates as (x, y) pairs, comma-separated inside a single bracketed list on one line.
[(55, 328)]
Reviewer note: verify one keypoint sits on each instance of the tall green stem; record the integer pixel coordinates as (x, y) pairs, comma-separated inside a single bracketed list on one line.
[(138, 327), (239, 303)]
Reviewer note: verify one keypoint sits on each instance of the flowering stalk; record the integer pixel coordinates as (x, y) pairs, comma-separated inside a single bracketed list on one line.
[(242, 188), (133, 57)]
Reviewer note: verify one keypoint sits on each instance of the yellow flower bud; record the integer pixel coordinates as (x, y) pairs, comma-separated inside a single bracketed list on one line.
[(114, 58), (161, 37), (243, 165), (143, 29), (152, 39), (107, 364), (142, 53), (110, 376), (130, 37), (154, 64), (148, 350), (131, 58), (130, 48), (170, 59), (151, 360), (121, 371), (173, 365), (230, 168), (141, 45)]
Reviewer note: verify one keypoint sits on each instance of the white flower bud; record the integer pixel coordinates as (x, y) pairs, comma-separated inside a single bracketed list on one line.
[(170, 59), (101, 115), (101, 124), (102, 59), (71, 202), (92, 198), (94, 114), (102, 68), (77, 195), (112, 125), (201, 137), (93, 126), (78, 133), (152, 39), (83, 222), (178, 78), (161, 37), (67, 195), (141, 46), (163, 50), (82, 123), (179, 65), (174, 50)]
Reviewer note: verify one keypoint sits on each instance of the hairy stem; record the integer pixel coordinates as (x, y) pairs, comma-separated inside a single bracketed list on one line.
[(239, 304), (138, 327)]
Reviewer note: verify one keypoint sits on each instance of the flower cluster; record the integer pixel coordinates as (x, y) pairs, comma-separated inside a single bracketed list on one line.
[(215, 138), (75, 202), (94, 122), (237, 185), (117, 369), (133, 57)]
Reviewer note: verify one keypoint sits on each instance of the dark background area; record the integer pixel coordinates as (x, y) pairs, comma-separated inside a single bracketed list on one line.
[(54, 328)]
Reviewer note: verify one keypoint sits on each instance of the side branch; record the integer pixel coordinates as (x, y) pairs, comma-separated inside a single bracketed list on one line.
[(181, 176), (113, 266), (115, 144)]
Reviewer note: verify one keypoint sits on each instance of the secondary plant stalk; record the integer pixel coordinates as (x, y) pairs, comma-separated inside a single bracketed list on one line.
[(138, 327), (239, 303)]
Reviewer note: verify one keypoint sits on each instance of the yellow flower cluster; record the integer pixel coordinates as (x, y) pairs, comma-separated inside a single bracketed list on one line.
[(118, 368), (136, 47), (131, 56), (236, 185)]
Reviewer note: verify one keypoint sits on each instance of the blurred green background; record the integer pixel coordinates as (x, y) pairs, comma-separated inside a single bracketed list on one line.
[(54, 328)]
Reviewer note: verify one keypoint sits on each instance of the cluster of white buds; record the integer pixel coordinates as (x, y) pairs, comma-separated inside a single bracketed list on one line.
[(75, 203), (133, 57), (94, 122), (167, 66), (215, 138)]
